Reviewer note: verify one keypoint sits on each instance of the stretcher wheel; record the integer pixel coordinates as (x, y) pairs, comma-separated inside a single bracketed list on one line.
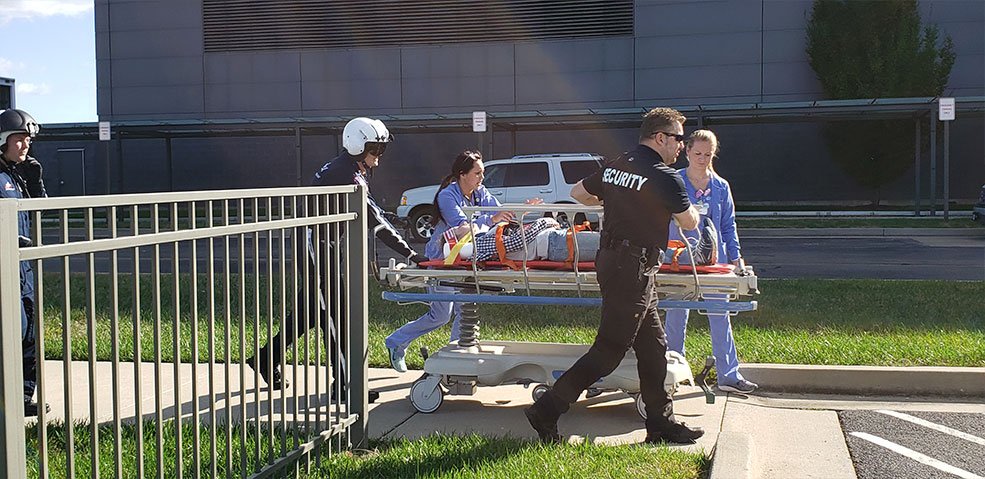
[(426, 395), (640, 406), (539, 390)]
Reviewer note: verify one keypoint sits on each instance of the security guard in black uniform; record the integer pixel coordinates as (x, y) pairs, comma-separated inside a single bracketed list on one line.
[(364, 141), (640, 194), (20, 177)]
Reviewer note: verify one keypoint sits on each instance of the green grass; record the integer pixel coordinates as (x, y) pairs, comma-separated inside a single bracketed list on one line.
[(436, 456), (129, 452), (478, 457), (868, 322), (923, 222)]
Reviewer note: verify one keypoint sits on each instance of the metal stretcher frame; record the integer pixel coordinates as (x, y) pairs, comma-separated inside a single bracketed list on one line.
[(459, 368), (677, 290)]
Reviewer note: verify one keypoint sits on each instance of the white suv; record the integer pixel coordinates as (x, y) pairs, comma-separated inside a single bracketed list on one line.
[(513, 180)]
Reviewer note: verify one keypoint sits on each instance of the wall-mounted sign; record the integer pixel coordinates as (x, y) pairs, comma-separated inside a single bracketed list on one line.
[(945, 109), (104, 132), (478, 121)]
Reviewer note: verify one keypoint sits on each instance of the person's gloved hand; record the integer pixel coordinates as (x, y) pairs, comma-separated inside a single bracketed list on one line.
[(31, 170)]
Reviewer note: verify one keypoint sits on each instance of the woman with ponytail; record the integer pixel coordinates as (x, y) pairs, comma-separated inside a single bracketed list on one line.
[(712, 196), (462, 187)]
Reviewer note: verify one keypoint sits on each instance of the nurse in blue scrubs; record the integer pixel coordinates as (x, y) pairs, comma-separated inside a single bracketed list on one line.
[(462, 187), (712, 196)]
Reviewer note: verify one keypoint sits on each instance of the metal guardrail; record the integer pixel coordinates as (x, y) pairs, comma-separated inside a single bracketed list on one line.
[(193, 272)]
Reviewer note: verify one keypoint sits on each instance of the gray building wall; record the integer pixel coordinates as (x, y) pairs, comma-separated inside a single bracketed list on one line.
[(151, 65)]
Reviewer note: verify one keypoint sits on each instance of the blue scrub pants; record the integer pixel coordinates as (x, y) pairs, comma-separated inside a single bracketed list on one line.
[(722, 342), (436, 317)]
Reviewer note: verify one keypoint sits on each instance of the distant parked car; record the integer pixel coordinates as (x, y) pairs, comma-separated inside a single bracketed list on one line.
[(978, 213), (513, 180)]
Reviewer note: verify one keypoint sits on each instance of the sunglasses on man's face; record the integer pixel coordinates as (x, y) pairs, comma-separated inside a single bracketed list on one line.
[(677, 137)]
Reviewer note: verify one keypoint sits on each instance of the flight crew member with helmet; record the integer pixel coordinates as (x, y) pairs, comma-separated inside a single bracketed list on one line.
[(640, 193), (20, 177), (364, 141)]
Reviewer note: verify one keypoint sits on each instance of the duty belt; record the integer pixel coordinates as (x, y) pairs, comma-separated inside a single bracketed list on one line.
[(650, 258), (609, 241)]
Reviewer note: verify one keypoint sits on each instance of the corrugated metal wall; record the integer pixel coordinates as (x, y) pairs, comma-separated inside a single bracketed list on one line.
[(238, 25)]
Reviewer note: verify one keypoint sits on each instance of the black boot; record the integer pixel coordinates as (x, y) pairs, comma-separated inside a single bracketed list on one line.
[(31, 408), (543, 418), (674, 432), (271, 377)]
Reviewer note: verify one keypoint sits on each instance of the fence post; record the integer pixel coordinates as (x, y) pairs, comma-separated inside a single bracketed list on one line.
[(356, 276), (13, 452)]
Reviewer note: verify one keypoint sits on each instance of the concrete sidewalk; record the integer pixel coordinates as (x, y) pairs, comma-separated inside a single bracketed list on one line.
[(610, 418), (308, 395), (770, 434), (767, 435)]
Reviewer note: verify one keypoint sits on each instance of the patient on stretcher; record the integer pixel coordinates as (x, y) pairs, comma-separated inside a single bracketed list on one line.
[(545, 239)]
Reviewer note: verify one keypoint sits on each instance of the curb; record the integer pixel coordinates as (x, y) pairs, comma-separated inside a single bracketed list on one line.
[(732, 457), (887, 232), (868, 380)]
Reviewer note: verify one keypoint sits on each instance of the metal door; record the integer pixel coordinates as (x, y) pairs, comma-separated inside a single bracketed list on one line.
[(69, 173)]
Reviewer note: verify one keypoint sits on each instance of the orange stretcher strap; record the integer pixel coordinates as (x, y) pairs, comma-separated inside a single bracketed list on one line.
[(585, 226), (501, 248), (678, 247)]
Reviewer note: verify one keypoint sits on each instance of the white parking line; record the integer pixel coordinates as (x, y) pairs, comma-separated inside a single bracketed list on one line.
[(916, 456), (934, 426)]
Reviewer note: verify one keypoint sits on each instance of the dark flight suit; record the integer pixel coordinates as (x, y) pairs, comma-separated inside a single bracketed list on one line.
[(15, 184), (343, 170)]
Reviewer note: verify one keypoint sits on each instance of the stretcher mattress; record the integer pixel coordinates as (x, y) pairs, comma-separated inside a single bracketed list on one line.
[(564, 266)]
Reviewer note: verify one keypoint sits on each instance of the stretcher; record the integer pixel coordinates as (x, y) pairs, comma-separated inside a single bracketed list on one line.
[(460, 367)]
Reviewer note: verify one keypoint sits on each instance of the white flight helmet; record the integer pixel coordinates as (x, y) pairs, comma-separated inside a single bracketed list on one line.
[(360, 131)]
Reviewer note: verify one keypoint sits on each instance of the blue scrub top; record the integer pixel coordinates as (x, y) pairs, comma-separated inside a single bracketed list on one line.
[(716, 202), (450, 202)]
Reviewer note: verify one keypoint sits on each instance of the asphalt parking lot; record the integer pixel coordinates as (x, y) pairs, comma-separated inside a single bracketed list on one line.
[(915, 444)]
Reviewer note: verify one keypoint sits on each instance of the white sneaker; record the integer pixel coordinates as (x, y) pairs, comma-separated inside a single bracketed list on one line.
[(397, 361), (741, 387)]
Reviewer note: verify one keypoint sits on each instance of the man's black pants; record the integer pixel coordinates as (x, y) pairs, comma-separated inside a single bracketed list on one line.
[(629, 319), (311, 310)]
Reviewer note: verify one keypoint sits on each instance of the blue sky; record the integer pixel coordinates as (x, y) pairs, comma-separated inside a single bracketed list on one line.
[(49, 48)]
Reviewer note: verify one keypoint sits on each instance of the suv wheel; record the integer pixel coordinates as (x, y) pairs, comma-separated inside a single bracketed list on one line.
[(420, 223)]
